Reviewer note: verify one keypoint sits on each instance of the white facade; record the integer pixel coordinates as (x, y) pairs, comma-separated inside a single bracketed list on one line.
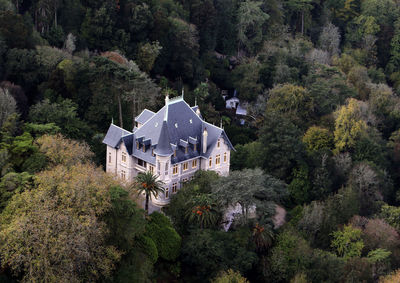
[(126, 167)]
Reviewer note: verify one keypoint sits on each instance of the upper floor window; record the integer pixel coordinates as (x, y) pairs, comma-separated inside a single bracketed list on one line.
[(195, 147), (158, 167), (210, 162), (137, 145), (123, 175), (144, 148), (174, 187), (124, 157), (218, 143), (152, 152), (194, 163), (166, 192), (109, 157), (175, 169), (186, 150), (218, 159), (174, 152), (166, 168), (185, 166), (141, 162), (151, 169), (225, 157)]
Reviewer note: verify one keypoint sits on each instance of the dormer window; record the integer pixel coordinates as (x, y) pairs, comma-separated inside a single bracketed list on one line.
[(218, 143), (174, 152), (144, 148), (152, 152), (186, 150), (137, 145), (195, 147)]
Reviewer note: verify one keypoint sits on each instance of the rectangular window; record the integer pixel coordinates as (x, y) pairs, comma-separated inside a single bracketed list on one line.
[(123, 175), (137, 145), (194, 163), (124, 157), (109, 157), (174, 187), (158, 167), (186, 150), (218, 143), (210, 162), (225, 158), (144, 148), (218, 159), (174, 152), (166, 168), (195, 147), (141, 162), (175, 170), (151, 169), (185, 166), (166, 192)]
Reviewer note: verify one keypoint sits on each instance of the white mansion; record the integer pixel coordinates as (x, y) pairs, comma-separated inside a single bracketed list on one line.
[(173, 143)]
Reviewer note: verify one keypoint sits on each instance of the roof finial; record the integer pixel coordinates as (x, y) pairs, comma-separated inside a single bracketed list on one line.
[(221, 123), (166, 98), (183, 91), (112, 120), (195, 101)]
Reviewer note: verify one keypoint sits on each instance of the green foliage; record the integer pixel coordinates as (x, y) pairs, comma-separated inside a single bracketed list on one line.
[(124, 220), (216, 250), (229, 276), (63, 115), (391, 215), (300, 187), (280, 139), (167, 240), (317, 138), (348, 242), (290, 255), (13, 183), (293, 101)]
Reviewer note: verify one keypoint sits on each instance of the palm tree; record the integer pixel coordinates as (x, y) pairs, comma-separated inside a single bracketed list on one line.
[(202, 211), (147, 183)]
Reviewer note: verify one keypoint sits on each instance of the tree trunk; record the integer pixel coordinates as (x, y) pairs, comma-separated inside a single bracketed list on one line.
[(55, 13), (146, 206), (120, 111)]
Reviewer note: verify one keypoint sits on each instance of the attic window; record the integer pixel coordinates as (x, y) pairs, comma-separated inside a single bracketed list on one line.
[(174, 152), (195, 147), (191, 121), (137, 145), (144, 148), (176, 125), (186, 150)]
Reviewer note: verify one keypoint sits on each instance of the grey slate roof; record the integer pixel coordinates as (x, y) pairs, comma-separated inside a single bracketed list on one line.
[(144, 116), (164, 145), (114, 135), (183, 129)]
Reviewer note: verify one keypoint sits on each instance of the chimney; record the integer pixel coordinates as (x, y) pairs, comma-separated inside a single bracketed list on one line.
[(205, 134)]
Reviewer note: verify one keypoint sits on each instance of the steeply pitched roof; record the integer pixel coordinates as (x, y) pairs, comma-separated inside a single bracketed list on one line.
[(164, 145), (179, 129), (144, 116), (114, 135)]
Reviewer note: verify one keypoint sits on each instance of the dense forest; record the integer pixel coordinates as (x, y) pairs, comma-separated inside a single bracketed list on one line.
[(321, 141)]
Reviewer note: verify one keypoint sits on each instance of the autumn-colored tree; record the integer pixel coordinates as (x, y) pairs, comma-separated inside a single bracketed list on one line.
[(317, 138), (348, 126), (60, 150), (53, 233)]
